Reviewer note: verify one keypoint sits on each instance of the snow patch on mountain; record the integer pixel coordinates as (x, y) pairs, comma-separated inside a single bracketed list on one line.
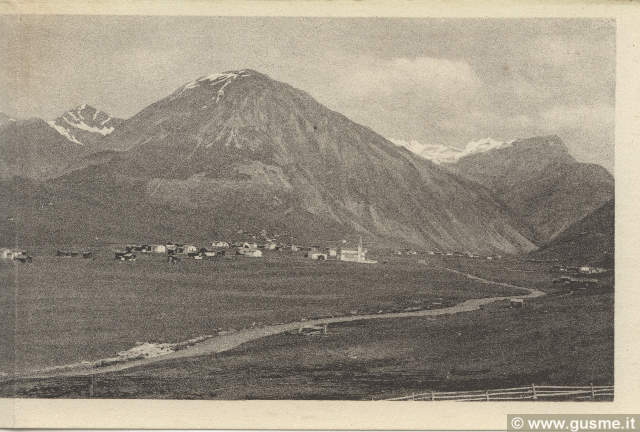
[(80, 120), (440, 154), (213, 79), (436, 153), (485, 145), (64, 132), (82, 125)]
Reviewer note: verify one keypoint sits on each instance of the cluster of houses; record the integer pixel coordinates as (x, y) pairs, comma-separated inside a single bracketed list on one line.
[(576, 282), (575, 277), (583, 269), (246, 248), (449, 254)]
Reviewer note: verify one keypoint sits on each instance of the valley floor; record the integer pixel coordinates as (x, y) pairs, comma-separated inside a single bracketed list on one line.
[(565, 337)]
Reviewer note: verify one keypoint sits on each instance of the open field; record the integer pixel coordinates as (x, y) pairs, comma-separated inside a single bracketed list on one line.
[(70, 309), (558, 339), (565, 337)]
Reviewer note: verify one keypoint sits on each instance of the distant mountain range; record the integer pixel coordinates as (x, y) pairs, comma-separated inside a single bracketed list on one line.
[(439, 154), (239, 150)]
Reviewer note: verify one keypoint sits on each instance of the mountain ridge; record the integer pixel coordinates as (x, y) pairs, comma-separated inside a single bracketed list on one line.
[(240, 146)]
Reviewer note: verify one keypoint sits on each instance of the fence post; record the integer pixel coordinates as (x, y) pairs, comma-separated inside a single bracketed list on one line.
[(487, 394), (413, 396), (433, 395), (593, 392), (91, 383), (533, 390)]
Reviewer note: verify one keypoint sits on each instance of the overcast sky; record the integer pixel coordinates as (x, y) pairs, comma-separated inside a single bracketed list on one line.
[(439, 81)]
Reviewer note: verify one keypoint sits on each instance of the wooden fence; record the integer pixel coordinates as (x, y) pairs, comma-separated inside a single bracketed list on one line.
[(532, 392)]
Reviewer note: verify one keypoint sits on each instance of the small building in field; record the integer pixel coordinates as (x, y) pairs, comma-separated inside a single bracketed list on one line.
[(247, 245), (590, 270), (317, 256), (252, 253), (294, 248), (12, 253), (516, 303), (220, 244), (187, 249), (332, 252), (158, 248), (270, 246)]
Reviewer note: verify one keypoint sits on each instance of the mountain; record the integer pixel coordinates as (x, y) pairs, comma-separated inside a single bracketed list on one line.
[(85, 125), (436, 153), (591, 240), (40, 150), (5, 119), (540, 182), (31, 148), (239, 150), (439, 153)]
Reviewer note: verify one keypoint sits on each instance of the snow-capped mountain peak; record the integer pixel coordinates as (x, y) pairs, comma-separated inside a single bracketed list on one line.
[(439, 153), (436, 153), (84, 123), (223, 79), (484, 145)]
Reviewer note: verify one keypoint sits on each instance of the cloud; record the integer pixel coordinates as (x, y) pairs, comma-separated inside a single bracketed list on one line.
[(595, 116), (421, 77)]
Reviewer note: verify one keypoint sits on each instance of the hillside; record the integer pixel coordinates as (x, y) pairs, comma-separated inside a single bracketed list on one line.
[(588, 241), (540, 182), (41, 150), (240, 150), (31, 148)]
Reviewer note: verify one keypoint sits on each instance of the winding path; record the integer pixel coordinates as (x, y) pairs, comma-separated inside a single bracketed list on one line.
[(227, 342)]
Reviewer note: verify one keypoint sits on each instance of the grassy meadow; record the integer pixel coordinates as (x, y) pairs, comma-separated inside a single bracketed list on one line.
[(559, 339), (57, 311)]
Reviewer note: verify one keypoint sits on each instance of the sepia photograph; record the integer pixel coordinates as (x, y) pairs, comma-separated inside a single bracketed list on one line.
[(307, 208)]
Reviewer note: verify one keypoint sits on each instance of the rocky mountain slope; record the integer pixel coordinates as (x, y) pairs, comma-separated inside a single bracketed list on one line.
[(539, 181), (41, 150), (239, 149), (31, 148), (85, 125), (591, 240)]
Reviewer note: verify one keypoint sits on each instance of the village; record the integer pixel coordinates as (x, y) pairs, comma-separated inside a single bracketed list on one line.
[(254, 246)]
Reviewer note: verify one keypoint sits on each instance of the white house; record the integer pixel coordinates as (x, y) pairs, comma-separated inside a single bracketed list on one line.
[(253, 253), (187, 249), (220, 244), (6, 253), (317, 256), (333, 252), (158, 248), (270, 246), (247, 245)]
